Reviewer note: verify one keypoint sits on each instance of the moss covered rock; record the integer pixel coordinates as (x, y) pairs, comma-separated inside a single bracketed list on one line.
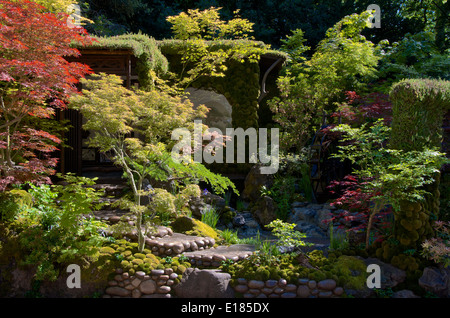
[(191, 226)]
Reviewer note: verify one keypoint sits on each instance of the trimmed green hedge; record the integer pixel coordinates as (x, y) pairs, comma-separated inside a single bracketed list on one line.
[(241, 83), (419, 106)]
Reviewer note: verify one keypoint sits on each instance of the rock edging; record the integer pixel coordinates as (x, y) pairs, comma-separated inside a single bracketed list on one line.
[(305, 288)]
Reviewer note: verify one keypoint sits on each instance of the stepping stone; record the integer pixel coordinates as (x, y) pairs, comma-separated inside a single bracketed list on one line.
[(215, 256), (177, 243)]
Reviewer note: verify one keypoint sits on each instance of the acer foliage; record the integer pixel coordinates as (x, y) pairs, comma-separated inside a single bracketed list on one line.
[(35, 80), (354, 203)]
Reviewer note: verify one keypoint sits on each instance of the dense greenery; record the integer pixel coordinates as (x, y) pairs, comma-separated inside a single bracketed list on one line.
[(274, 20), (390, 85), (344, 60)]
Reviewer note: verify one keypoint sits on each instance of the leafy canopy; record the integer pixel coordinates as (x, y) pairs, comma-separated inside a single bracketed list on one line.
[(344, 60)]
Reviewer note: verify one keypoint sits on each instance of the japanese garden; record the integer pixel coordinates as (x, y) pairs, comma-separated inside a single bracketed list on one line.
[(224, 149)]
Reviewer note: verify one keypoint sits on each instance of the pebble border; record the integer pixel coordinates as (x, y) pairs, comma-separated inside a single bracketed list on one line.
[(156, 285), (159, 248), (281, 289), (160, 282)]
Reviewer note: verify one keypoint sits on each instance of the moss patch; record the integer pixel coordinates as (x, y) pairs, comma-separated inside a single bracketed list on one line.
[(191, 226)]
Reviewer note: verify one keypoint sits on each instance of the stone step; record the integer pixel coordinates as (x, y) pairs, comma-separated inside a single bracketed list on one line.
[(215, 256), (178, 243)]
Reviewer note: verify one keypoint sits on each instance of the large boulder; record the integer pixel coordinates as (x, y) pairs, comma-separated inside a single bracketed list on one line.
[(202, 283), (264, 211), (391, 276), (220, 110), (191, 226), (436, 280), (254, 181)]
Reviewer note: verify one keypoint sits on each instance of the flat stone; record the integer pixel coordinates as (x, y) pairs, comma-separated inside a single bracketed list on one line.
[(338, 291), (136, 282), (327, 284), (290, 288), (241, 289), (163, 290), (148, 287), (257, 284), (271, 283), (117, 291), (254, 291), (303, 291), (278, 290), (312, 284), (140, 274), (136, 293), (157, 272), (266, 290)]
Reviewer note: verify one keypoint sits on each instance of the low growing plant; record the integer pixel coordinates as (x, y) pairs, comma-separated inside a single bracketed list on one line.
[(57, 228)]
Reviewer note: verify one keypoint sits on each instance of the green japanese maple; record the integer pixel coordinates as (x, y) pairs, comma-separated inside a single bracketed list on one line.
[(393, 176), (135, 127), (344, 60)]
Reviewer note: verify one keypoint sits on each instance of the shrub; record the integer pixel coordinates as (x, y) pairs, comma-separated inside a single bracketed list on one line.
[(418, 109), (55, 229)]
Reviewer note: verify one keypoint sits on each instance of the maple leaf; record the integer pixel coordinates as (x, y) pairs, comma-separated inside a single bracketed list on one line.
[(36, 79)]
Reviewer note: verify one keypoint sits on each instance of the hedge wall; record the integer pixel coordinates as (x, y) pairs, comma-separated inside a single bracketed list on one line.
[(419, 107), (240, 85)]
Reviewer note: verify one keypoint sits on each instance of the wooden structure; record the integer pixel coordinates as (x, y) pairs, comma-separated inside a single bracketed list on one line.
[(79, 158)]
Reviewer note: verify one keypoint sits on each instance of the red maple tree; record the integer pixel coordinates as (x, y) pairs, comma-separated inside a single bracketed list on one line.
[(35, 80)]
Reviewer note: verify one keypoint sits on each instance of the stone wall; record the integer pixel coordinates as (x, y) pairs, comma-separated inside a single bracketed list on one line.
[(305, 288), (159, 284), (156, 285)]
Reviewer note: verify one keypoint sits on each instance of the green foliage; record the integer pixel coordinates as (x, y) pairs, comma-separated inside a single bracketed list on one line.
[(199, 58), (394, 176), (418, 110), (415, 56), (210, 216), (338, 240), (286, 234), (12, 203), (150, 61), (55, 229), (194, 227), (229, 236), (133, 260), (344, 60), (112, 112), (283, 193)]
